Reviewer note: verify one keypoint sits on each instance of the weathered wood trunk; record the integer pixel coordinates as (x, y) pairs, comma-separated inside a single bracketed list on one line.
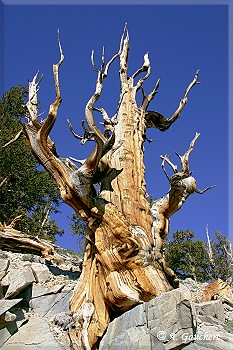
[(16, 241), (123, 263)]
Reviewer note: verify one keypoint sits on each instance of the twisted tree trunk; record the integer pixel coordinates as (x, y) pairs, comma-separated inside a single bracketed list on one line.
[(123, 263)]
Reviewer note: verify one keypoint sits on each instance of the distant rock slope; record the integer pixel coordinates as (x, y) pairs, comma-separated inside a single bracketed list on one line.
[(34, 311)]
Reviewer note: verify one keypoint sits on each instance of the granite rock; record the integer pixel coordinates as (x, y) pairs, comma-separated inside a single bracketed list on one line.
[(41, 272), (34, 335), (170, 321), (4, 264), (19, 280)]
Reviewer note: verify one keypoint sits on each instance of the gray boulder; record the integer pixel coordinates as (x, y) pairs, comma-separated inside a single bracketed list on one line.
[(39, 290), (52, 304), (157, 324), (41, 272), (18, 281), (7, 330), (4, 264), (34, 335), (6, 305), (170, 321)]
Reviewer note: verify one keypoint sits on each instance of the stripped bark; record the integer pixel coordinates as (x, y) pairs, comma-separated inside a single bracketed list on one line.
[(123, 263)]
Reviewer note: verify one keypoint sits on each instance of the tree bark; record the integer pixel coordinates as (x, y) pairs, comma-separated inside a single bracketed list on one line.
[(123, 263)]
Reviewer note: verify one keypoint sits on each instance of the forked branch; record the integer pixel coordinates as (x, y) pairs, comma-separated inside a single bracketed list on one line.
[(87, 136), (185, 158), (157, 120), (118, 53), (184, 166), (182, 186), (146, 99)]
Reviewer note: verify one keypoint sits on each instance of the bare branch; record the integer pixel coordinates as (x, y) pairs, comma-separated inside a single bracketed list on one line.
[(46, 218), (81, 161), (102, 60), (117, 54), (90, 104), (52, 115), (104, 114), (230, 253), (108, 123), (210, 252), (102, 74), (147, 99), (4, 181), (14, 240), (185, 158), (32, 104), (145, 68), (56, 67), (184, 100), (184, 173), (17, 136), (92, 61), (203, 191), (157, 120), (124, 58), (88, 136), (166, 159), (153, 92), (15, 221), (164, 169), (89, 108)]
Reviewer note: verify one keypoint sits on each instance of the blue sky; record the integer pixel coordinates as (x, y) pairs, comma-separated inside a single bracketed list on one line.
[(180, 39)]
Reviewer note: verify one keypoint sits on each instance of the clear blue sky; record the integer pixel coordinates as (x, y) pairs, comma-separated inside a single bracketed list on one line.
[(180, 39)]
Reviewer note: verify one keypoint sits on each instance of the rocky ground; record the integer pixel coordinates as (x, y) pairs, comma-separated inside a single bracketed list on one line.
[(173, 321), (34, 311), (34, 300)]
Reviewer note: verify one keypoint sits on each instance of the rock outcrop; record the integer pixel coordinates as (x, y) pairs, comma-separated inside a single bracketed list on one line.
[(34, 312), (172, 321), (34, 301)]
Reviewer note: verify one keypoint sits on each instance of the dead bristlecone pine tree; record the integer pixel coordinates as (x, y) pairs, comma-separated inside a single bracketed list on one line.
[(124, 263)]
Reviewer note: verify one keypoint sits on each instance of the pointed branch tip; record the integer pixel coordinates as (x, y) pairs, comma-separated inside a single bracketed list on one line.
[(206, 189), (93, 62), (60, 47)]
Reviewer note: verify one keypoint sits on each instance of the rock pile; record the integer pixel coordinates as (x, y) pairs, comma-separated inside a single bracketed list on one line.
[(34, 301), (34, 311)]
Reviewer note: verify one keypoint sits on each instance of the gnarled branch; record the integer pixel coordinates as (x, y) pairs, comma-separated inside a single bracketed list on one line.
[(182, 185), (51, 118), (157, 120), (120, 270)]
